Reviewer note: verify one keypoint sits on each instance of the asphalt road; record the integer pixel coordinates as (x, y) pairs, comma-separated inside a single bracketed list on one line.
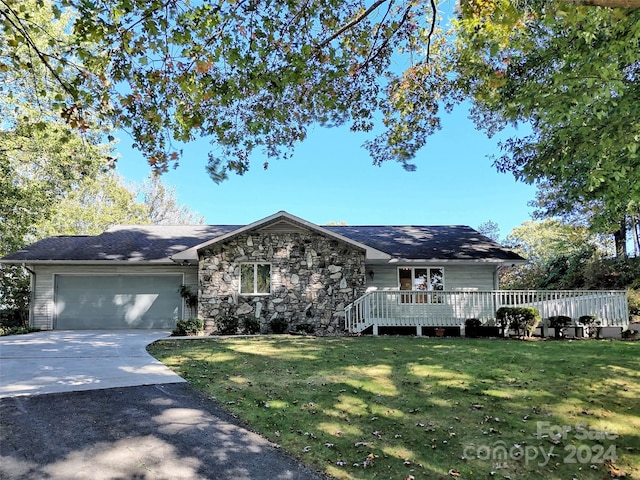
[(167, 431)]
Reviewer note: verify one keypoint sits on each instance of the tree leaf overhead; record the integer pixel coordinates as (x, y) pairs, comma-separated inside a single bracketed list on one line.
[(245, 75)]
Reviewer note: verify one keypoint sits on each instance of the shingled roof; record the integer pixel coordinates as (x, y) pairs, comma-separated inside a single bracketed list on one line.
[(436, 242), (122, 243), (155, 243)]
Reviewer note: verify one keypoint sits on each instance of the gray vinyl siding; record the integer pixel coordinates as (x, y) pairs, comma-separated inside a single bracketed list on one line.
[(43, 293), (469, 277), (475, 277)]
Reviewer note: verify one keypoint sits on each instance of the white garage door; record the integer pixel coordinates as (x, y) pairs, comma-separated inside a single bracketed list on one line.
[(117, 301)]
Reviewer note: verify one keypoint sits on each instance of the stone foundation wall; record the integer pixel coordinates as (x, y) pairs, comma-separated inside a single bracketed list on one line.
[(313, 277)]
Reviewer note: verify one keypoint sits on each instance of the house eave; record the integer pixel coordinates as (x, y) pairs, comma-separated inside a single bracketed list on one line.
[(450, 261), (163, 261)]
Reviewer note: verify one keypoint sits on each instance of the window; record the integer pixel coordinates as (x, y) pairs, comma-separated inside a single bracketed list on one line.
[(428, 279), (255, 278)]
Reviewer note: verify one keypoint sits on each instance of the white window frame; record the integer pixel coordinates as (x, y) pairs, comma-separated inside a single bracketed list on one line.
[(255, 279), (413, 275), (421, 297)]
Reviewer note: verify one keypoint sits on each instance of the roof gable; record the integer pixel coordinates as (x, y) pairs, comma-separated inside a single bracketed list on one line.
[(278, 222)]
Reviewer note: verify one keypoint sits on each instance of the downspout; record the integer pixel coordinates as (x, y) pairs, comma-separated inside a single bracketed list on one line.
[(496, 286), (32, 291)]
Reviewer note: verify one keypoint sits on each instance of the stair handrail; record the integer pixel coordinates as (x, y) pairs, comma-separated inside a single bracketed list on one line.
[(356, 314)]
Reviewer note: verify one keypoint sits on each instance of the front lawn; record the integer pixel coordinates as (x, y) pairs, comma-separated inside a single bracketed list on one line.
[(396, 407)]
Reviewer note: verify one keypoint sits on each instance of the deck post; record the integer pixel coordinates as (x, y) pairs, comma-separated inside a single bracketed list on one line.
[(375, 329), (419, 330)]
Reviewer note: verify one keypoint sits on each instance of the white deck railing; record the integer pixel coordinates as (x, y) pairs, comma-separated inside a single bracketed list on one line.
[(452, 308)]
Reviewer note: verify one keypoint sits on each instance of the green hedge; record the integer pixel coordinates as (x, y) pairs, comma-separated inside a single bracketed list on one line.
[(189, 327), (279, 325), (250, 325), (227, 325), (523, 320)]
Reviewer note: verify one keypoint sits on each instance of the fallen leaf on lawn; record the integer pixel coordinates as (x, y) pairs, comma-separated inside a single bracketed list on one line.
[(454, 472), (477, 406), (368, 462), (614, 471)]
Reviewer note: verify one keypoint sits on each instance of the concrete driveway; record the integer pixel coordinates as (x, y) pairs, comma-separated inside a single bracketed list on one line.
[(70, 361)]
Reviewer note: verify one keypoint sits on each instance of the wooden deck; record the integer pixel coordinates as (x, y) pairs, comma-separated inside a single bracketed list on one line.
[(413, 308)]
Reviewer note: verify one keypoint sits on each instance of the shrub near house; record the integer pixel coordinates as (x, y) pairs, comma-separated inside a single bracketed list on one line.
[(523, 320)]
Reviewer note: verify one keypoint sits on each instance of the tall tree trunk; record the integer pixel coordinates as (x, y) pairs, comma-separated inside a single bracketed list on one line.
[(635, 228), (620, 237)]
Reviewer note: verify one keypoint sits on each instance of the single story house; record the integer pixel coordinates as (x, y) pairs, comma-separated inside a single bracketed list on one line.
[(279, 266)]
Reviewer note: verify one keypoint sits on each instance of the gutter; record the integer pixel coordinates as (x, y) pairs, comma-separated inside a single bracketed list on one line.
[(164, 261)]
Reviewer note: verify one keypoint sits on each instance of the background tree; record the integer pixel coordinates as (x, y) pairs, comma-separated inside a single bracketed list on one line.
[(93, 206), (571, 75), (162, 206), (600, 217), (490, 229), (541, 243), (564, 256)]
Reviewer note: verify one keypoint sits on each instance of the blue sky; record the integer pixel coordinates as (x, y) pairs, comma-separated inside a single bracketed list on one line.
[(330, 178)]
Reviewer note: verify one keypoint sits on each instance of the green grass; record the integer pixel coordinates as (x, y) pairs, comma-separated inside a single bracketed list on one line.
[(390, 407)]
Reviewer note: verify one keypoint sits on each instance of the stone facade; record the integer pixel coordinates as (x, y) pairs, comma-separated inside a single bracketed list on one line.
[(313, 277)]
